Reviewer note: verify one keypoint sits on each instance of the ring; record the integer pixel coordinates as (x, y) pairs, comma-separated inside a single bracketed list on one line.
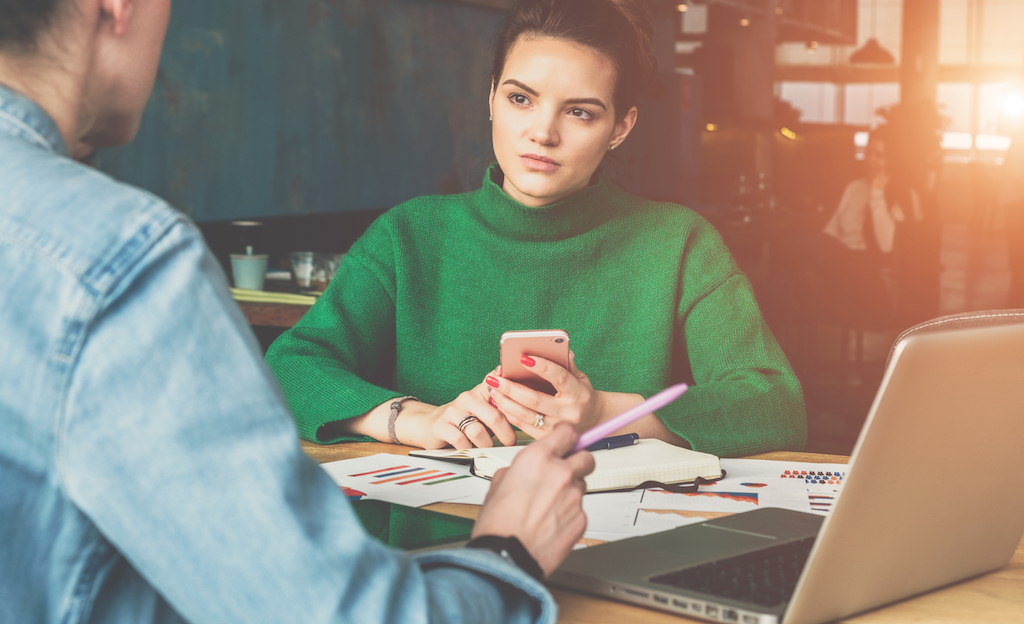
[(466, 422), (538, 421)]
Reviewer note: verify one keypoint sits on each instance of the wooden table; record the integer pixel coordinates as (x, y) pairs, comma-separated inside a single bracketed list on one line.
[(995, 597), (272, 314)]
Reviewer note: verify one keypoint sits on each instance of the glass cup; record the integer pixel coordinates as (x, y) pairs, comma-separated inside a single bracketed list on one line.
[(302, 267), (331, 262), (249, 271)]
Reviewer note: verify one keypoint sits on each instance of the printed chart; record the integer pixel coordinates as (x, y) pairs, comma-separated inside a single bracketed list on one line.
[(823, 482), (701, 500), (617, 515), (409, 481), (753, 483), (408, 476)]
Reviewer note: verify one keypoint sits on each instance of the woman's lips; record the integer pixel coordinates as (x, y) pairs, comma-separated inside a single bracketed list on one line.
[(539, 163)]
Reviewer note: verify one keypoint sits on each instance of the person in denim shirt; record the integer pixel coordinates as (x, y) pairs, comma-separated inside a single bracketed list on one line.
[(150, 470)]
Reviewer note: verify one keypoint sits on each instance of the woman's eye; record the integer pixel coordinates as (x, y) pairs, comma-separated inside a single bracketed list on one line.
[(581, 113), (518, 98)]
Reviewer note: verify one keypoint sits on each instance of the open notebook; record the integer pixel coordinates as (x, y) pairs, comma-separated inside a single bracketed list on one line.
[(620, 468)]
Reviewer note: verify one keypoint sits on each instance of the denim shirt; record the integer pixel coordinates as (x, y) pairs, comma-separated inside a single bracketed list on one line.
[(149, 470)]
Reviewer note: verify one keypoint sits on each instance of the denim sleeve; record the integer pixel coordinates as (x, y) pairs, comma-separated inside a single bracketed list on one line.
[(174, 441)]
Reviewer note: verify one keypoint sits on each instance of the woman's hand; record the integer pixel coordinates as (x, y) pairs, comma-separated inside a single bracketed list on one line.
[(429, 427), (575, 402), (539, 499)]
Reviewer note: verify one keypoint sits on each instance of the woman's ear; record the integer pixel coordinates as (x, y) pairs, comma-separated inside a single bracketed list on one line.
[(623, 128), (490, 101), (118, 12)]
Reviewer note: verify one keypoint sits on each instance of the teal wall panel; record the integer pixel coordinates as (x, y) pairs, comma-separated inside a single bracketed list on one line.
[(276, 107)]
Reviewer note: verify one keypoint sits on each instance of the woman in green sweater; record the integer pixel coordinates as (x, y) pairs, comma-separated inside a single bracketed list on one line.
[(647, 291)]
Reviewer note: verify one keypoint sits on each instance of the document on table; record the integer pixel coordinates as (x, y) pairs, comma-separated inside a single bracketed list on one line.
[(409, 481), (749, 484), (617, 515), (754, 483), (822, 481)]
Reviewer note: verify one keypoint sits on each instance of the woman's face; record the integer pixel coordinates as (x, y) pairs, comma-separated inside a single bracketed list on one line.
[(552, 118)]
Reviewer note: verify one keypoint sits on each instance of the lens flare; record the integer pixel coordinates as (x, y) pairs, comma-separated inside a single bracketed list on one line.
[(1013, 104)]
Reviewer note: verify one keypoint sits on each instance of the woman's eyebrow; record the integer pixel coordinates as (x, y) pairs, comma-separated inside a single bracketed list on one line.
[(516, 83), (592, 101)]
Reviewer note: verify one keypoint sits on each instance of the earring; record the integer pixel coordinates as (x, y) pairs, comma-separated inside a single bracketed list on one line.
[(490, 118), (612, 147)]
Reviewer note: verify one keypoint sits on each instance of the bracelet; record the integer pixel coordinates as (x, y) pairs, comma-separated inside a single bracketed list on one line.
[(396, 406), (510, 549)]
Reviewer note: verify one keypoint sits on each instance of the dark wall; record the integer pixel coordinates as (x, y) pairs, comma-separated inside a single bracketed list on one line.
[(288, 107)]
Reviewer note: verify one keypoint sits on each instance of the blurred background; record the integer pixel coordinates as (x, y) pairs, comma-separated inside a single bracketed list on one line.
[(289, 125)]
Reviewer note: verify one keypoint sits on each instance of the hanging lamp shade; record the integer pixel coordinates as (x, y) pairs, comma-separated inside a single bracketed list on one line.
[(872, 52)]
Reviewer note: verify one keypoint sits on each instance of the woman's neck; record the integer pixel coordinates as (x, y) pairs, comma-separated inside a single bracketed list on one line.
[(55, 78)]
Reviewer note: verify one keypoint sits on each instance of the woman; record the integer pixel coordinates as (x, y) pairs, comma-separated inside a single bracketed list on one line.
[(856, 273), (871, 208), (647, 291), (150, 469)]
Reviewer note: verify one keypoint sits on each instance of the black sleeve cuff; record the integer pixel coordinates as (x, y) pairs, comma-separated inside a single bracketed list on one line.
[(512, 550)]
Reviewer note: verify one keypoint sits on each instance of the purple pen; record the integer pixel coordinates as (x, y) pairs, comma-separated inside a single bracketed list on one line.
[(652, 404)]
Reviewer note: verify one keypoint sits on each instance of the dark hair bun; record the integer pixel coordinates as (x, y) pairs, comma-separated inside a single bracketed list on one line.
[(21, 21)]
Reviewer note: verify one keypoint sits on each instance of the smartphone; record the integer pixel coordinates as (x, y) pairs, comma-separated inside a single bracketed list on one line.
[(550, 344)]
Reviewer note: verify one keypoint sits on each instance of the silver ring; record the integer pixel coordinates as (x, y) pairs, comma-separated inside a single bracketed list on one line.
[(466, 422), (538, 421)]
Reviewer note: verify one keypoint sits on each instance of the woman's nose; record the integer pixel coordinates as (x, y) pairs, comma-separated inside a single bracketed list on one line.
[(544, 129)]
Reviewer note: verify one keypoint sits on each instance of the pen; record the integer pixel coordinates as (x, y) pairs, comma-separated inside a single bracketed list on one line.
[(629, 416), (626, 439)]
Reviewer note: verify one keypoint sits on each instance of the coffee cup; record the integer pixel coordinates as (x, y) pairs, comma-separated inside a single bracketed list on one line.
[(249, 270)]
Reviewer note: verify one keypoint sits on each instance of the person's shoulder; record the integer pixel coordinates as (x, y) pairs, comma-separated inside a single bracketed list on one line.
[(414, 216), (678, 231), (79, 219), (667, 217), (429, 207)]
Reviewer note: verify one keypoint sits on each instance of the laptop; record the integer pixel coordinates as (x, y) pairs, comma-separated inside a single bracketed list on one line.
[(931, 497)]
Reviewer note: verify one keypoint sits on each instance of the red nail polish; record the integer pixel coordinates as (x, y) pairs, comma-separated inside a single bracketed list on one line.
[(527, 360), (492, 401), (491, 381)]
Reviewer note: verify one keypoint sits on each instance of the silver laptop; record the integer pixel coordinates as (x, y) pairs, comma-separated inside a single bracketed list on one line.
[(931, 497)]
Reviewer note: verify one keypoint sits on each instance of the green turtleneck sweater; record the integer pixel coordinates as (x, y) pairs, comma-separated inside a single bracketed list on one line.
[(647, 291)]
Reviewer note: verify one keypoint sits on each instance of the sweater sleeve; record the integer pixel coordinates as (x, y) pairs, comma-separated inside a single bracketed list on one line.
[(745, 398), (337, 362)]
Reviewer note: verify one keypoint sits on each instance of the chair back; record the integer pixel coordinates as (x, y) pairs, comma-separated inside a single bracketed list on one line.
[(964, 320)]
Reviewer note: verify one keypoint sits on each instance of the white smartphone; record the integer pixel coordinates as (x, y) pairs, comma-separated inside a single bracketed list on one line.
[(550, 344)]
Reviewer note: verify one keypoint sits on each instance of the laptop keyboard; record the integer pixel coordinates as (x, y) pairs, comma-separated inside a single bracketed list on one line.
[(765, 577)]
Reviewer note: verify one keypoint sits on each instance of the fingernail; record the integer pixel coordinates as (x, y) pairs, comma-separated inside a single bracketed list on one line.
[(491, 381), (491, 399), (527, 360)]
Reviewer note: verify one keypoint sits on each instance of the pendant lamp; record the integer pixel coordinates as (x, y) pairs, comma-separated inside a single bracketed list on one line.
[(872, 51)]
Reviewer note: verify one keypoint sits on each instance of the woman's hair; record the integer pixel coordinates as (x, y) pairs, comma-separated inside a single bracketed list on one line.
[(21, 22), (899, 189), (619, 29)]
